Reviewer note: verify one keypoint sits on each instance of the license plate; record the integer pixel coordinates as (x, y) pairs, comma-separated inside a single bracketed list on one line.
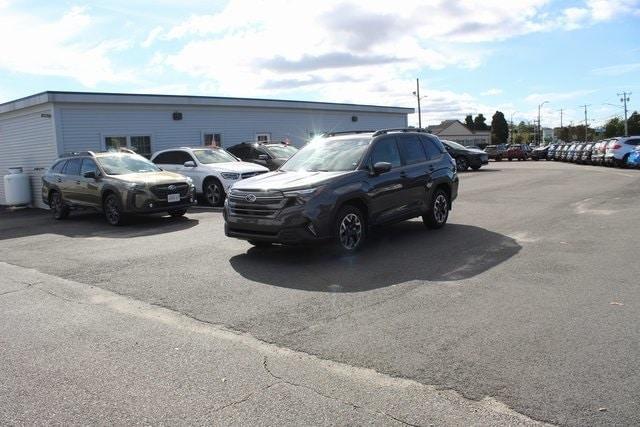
[(173, 198)]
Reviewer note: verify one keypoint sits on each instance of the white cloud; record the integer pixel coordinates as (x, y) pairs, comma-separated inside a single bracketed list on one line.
[(616, 70), (153, 35), (56, 48), (492, 92), (557, 96)]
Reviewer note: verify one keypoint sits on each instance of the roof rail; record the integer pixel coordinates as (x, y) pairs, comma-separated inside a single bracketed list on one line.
[(384, 131), (346, 132), (78, 153)]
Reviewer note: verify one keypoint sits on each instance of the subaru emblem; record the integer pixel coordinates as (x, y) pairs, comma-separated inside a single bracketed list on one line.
[(171, 187), (250, 198)]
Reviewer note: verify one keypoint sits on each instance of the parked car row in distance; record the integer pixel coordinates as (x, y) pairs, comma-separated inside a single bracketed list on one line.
[(508, 152), (620, 152)]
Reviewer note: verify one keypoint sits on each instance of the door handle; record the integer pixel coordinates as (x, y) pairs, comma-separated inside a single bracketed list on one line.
[(403, 174)]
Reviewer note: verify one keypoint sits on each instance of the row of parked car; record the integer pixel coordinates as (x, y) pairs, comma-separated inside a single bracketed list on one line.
[(620, 152), (336, 187)]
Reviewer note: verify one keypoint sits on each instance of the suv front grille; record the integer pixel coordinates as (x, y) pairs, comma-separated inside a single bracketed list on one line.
[(257, 204), (161, 191)]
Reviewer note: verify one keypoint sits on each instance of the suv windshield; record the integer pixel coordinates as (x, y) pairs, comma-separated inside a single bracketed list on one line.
[(454, 145), (328, 155), (208, 156), (282, 151), (121, 164)]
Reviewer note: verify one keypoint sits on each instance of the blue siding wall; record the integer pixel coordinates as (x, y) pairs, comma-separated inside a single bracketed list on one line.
[(82, 126)]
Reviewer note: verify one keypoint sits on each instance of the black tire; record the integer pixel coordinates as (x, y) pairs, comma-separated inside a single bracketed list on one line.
[(177, 212), (113, 211), (260, 244), (462, 164), (213, 192), (58, 209), (475, 168), (350, 229), (499, 159), (438, 212), (509, 158), (623, 163)]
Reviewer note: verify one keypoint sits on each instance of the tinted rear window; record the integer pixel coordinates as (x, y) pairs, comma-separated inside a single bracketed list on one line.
[(57, 168)]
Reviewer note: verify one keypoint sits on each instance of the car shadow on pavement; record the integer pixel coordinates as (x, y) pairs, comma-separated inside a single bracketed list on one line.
[(31, 222), (393, 255)]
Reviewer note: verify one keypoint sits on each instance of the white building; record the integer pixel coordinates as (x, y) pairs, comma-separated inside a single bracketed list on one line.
[(455, 130), (35, 130)]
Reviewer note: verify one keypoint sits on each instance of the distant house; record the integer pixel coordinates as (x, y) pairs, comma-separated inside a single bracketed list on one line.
[(455, 130)]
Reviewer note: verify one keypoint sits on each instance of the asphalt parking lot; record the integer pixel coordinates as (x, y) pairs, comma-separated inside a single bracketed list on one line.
[(528, 296)]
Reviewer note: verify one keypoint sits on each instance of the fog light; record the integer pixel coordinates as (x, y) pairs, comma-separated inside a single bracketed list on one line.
[(150, 205)]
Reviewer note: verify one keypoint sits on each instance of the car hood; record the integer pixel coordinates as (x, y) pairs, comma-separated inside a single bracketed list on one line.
[(240, 167), (286, 181), (151, 178), (476, 151)]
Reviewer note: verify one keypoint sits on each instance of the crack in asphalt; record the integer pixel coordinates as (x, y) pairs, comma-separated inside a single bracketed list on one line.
[(326, 396)]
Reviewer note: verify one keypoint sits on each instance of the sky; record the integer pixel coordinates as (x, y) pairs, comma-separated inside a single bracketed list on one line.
[(470, 56)]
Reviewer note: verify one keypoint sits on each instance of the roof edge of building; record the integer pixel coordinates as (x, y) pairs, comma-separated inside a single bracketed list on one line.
[(186, 100)]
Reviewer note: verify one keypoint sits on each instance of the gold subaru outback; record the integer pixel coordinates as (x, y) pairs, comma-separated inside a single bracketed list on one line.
[(117, 183)]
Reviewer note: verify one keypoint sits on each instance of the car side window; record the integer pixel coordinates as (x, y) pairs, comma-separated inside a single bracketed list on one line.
[(57, 168), (386, 150), (241, 151), (72, 167), (165, 158), (411, 149), (433, 151), (182, 157), (88, 165), (635, 142)]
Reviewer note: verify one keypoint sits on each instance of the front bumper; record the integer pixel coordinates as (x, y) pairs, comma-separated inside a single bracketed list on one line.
[(145, 202)]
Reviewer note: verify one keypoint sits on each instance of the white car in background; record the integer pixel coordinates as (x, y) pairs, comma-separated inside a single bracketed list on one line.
[(213, 170), (619, 149)]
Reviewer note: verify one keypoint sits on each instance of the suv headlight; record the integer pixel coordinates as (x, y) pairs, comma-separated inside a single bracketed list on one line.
[(230, 175), (303, 195), (135, 186), (189, 181)]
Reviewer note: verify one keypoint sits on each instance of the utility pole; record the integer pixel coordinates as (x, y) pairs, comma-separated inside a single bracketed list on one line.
[(586, 124), (561, 112), (511, 130), (625, 98), (417, 94), (540, 124)]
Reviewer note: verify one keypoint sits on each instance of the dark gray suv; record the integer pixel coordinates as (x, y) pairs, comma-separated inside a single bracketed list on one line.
[(341, 185)]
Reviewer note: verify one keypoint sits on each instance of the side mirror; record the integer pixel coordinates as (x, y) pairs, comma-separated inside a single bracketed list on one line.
[(89, 175), (189, 164), (381, 167), (263, 157)]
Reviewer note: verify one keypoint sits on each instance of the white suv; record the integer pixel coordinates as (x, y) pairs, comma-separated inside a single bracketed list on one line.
[(213, 170), (619, 149)]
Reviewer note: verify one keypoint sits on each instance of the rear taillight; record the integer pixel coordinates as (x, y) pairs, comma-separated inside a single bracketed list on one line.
[(616, 146)]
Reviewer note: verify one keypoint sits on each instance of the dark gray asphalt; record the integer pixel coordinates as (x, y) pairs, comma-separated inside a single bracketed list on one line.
[(513, 299)]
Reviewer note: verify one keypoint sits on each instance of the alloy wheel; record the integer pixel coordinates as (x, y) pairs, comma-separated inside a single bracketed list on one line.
[(461, 164), (350, 231), (213, 194), (112, 211), (440, 208)]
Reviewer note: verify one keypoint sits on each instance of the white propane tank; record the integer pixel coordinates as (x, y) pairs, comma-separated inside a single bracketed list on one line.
[(17, 189)]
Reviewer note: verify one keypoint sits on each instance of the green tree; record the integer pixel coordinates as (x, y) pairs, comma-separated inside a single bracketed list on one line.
[(633, 123), (499, 129), (518, 138), (469, 121), (614, 127), (480, 123)]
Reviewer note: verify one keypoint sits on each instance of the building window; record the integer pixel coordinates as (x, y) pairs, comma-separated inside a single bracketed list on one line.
[(211, 139), (141, 144), (115, 142), (263, 137)]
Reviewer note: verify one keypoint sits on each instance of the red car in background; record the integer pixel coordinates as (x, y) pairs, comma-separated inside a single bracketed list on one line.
[(517, 151)]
